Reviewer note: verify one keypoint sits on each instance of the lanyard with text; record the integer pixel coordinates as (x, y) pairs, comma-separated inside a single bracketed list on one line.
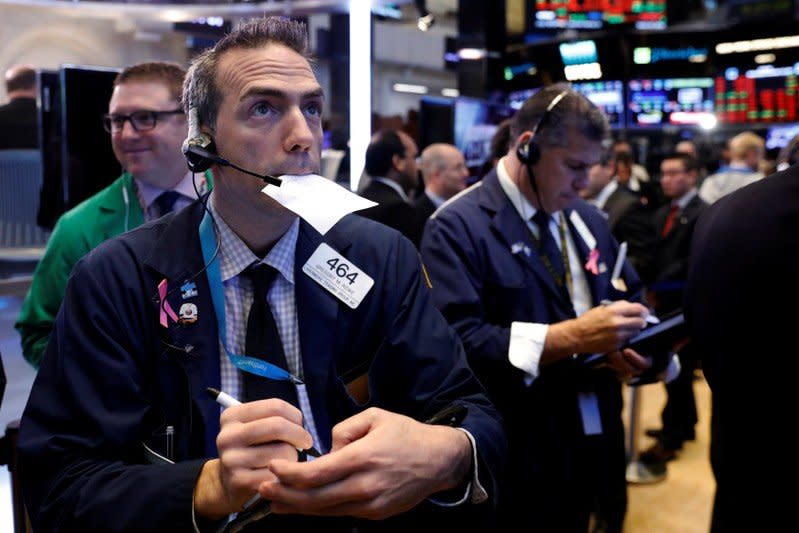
[(259, 367), (564, 253)]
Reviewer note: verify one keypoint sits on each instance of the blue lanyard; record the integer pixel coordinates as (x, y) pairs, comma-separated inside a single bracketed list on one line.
[(259, 367)]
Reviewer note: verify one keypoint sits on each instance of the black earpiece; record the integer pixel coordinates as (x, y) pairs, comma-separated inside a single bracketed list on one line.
[(528, 153)]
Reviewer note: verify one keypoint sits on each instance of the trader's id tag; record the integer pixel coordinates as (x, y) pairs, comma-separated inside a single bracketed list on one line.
[(338, 275)]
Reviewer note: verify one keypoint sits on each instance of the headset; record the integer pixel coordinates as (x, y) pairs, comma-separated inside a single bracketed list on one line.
[(529, 153), (200, 150)]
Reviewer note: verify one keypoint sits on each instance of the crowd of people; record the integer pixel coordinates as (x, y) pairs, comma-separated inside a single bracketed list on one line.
[(420, 363)]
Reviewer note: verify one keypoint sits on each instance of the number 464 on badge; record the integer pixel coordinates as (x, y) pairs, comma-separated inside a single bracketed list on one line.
[(338, 275)]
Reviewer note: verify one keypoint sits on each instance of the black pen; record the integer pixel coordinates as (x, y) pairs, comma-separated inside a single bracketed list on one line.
[(226, 400), (452, 415)]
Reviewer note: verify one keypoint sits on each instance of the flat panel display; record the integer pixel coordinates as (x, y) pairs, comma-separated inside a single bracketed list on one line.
[(654, 103), (764, 94), (607, 95), (597, 14), (89, 162), (778, 137), (476, 122)]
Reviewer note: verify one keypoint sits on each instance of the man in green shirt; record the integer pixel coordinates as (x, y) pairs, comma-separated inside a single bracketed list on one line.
[(147, 127)]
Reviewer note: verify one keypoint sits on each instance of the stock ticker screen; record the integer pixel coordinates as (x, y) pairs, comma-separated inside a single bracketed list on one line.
[(596, 14), (764, 94), (660, 102)]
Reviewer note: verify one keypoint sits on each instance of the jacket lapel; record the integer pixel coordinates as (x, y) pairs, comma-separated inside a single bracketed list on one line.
[(583, 252), (508, 226), (317, 311), (194, 346)]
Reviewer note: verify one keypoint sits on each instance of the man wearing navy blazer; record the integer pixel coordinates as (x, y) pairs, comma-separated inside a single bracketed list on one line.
[(119, 432), (525, 298)]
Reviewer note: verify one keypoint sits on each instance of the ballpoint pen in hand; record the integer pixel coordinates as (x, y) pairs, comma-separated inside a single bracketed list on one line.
[(226, 400)]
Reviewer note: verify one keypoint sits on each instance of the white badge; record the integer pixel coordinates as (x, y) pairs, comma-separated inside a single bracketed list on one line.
[(582, 229), (589, 411), (339, 276)]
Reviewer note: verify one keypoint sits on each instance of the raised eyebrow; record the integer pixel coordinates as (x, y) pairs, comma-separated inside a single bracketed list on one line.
[(276, 93)]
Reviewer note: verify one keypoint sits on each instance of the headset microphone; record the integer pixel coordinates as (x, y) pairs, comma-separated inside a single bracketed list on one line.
[(200, 152)]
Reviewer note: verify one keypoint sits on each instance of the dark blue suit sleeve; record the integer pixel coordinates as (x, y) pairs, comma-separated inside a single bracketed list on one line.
[(81, 433), (436, 373), (453, 262)]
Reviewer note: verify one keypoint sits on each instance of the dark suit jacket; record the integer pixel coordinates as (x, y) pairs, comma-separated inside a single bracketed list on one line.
[(112, 378), (741, 309), (424, 206), (393, 211), (18, 124), (482, 282), (631, 222), (673, 253)]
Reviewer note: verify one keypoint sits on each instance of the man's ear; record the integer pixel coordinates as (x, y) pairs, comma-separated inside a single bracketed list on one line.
[(398, 162)]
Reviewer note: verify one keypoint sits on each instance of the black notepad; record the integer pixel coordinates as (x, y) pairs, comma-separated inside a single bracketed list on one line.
[(655, 342)]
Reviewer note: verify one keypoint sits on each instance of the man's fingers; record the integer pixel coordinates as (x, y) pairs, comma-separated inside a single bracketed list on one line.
[(327, 469), (353, 428), (636, 361), (261, 431), (250, 411)]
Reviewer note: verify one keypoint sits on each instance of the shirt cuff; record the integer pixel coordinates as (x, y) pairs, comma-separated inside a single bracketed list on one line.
[(474, 493), (526, 346)]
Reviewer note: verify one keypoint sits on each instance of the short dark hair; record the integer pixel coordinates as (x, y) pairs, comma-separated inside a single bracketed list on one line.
[(24, 79), (381, 151), (573, 111), (500, 142), (200, 89), (166, 72), (689, 162)]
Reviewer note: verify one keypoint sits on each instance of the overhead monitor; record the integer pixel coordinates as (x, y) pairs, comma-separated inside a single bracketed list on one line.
[(764, 94), (778, 137), (597, 14), (476, 122), (89, 163), (607, 95), (654, 103)]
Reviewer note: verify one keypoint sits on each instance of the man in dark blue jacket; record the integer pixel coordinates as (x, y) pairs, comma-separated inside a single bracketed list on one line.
[(344, 342), (520, 267)]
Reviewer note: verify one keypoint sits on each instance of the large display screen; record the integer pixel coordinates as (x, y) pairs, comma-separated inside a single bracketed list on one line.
[(596, 14), (764, 94), (660, 102), (476, 122), (607, 96), (778, 137)]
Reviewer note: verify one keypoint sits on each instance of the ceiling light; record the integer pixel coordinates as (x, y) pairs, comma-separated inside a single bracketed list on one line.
[(762, 59), (773, 43), (409, 88), (450, 93)]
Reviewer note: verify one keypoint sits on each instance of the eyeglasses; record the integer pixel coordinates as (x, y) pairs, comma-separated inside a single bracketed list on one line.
[(140, 120)]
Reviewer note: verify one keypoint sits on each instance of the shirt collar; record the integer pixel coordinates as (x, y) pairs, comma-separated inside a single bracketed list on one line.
[(436, 199), (602, 198), (523, 207), (235, 256), (148, 193), (394, 185), (683, 200)]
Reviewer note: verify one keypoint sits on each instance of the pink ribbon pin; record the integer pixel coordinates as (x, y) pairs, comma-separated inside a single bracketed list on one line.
[(591, 264), (166, 309)]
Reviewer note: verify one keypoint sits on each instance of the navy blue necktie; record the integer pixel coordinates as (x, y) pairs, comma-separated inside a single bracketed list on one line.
[(263, 340), (165, 202), (548, 246)]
